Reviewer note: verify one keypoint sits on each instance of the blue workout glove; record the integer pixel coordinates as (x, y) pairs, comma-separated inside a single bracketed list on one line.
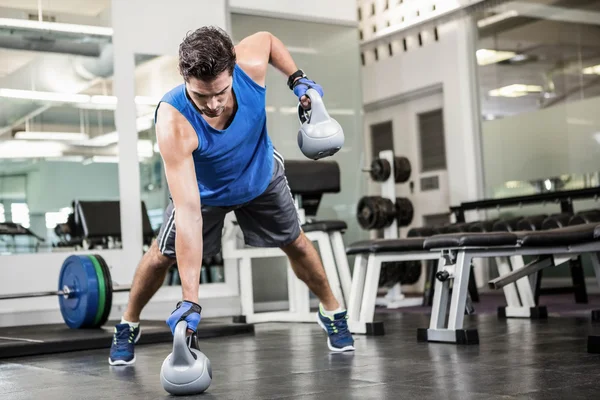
[(188, 311), (303, 84)]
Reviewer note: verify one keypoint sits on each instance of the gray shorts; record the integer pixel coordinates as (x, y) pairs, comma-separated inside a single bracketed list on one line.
[(269, 220)]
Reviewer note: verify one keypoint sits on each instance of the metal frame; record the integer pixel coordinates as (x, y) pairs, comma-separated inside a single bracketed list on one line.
[(456, 262), (365, 282)]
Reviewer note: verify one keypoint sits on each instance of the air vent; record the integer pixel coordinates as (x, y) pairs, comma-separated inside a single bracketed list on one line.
[(430, 183)]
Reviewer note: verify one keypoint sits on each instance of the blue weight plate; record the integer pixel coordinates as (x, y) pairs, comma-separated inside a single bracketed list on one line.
[(79, 310)]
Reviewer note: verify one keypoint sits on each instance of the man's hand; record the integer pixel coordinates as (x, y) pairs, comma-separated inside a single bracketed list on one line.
[(301, 85), (185, 311)]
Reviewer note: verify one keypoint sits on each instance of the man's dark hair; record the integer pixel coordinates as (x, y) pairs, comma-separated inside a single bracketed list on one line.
[(206, 53)]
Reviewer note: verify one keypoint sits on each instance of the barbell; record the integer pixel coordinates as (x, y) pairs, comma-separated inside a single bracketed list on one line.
[(85, 291)]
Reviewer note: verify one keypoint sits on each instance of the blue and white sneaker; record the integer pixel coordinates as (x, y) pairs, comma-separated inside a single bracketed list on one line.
[(339, 337), (122, 348)]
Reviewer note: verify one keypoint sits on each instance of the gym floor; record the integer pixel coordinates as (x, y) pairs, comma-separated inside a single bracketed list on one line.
[(515, 359)]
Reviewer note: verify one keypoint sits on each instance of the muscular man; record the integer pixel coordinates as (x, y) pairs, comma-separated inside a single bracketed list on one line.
[(218, 157)]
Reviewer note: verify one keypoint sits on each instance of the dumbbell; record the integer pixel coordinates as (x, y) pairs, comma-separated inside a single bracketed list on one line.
[(506, 225), (556, 221), (421, 232), (381, 169), (376, 212), (585, 217), (531, 223), (482, 226)]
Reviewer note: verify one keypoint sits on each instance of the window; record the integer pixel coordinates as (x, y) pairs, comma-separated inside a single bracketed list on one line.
[(2, 217), (57, 217), (431, 135), (20, 214)]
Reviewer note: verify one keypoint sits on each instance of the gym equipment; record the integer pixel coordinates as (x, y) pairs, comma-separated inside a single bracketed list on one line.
[(381, 169), (185, 371), (319, 135), (585, 217), (532, 223), (556, 221), (376, 212), (85, 291)]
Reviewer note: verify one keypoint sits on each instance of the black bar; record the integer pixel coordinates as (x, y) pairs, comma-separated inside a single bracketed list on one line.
[(538, 287), (566, 206), (531, 199), (430, 283), (578, 278), (473, 292)]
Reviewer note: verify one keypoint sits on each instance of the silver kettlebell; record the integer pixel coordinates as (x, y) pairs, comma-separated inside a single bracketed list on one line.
[(186, 370), (319, 135)]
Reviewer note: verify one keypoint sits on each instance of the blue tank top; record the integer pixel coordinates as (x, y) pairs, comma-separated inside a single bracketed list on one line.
[(233, 165)]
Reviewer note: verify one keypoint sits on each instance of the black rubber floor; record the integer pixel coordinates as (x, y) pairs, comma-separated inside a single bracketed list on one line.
[(516, 359), (58, 338)]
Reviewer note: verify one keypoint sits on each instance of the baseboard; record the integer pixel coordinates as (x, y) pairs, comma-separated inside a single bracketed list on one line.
[(267, 306)]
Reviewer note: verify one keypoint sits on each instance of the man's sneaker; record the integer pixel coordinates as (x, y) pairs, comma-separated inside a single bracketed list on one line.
[(122, 349), (340, 339)]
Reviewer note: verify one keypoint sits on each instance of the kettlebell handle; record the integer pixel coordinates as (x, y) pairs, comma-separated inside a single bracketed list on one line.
[(182, 355), (318, 113)]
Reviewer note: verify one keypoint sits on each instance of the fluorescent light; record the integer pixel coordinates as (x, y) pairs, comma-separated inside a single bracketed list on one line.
[(44, 96), (30, 149), (516, 90), (55, 27), (73, 136), (102, 140), (487, 57), (497, 18), (594, 70)]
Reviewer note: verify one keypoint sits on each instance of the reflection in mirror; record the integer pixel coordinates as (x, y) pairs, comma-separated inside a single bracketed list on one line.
[(538, 73), (58, 146), (155, 76)]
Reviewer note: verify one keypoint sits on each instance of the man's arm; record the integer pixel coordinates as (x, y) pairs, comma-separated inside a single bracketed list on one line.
[(256, 52), (177, 142)]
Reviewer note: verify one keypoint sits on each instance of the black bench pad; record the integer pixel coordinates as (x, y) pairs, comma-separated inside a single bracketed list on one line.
[(325, 226), (386, 246), (569, 235), (470, 239)]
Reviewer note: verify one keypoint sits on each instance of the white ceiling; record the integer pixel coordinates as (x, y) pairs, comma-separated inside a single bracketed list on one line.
[(78, 7), (13, 60)]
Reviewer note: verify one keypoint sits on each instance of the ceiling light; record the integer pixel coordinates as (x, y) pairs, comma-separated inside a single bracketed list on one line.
[(68, 136), (594, 70), (44, 96), (516, 90), (487, 57), (55, 27), (30, 149)]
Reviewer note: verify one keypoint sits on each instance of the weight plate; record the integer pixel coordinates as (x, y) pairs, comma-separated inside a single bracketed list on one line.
[(404, 211), (380, 170), (109, 290), (101, 291), (402, 169), (79, 309)]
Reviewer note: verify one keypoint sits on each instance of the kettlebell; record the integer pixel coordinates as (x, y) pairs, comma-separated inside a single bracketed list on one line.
[(186, 371), (319, 135)]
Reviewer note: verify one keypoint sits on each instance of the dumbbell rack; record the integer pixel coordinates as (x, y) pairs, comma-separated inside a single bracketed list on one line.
[(394, 297)]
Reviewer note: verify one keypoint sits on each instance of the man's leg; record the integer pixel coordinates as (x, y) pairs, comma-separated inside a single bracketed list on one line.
[(308, 267), (271, 220), (149, 277)]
